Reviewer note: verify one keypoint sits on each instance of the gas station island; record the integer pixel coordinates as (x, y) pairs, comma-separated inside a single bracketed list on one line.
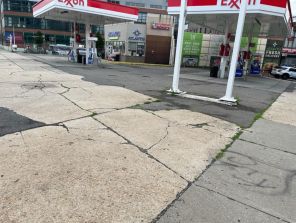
[(241, 22), (248, 18)]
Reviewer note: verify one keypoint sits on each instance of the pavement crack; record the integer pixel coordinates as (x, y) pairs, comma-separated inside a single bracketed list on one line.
[(23, 138), (68, 99), (67, 89), (140, 149), (178, 196), (162, 139)]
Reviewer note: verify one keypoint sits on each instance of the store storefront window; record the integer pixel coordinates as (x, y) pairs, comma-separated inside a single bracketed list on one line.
[(115, 46), (136, 49)]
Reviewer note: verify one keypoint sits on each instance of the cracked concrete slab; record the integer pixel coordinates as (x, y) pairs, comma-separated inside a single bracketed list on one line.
[(41, 106), (140, 127), (171, 138), (257, 176), (87, 173), (283, 110), (199, 120), (37, 90), (105, 97)]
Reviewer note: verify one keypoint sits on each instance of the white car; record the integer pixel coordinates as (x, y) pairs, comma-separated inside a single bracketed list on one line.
[(284, 72)]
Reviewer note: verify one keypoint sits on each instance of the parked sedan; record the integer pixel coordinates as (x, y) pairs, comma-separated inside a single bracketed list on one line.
[(284, 72)]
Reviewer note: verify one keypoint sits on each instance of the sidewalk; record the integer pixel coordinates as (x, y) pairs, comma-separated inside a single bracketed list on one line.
[(255, 180), (75, 151)]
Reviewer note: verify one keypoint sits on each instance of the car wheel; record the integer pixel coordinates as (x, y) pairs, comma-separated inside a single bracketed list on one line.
[(285, 76)]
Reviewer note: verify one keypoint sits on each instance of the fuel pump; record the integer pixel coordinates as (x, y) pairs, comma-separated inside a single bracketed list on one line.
[(92, 50)]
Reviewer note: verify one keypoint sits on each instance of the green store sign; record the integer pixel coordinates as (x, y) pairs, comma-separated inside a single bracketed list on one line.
[(192, 44), (191, 50)]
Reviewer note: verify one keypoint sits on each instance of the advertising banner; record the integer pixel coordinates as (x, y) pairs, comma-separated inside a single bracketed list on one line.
[(191, 48)]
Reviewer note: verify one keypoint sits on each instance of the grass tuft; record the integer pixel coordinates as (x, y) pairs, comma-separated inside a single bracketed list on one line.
[(234, 138)]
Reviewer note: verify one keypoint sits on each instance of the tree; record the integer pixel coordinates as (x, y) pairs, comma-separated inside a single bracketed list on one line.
[(100, 44), (39, 38)]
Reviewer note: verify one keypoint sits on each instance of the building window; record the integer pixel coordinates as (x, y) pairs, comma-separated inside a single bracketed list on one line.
[(156, 6), (135, 4), (142, 17), (18, 5), (113, 1)]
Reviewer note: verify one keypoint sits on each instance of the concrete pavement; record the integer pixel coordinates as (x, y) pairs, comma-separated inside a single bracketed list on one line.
[(255, 94), (84, 152), (255, 180)]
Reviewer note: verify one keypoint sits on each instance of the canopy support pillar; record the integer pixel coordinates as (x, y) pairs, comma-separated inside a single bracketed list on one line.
[(87, 45), (178, 56), (224, 58), (236, 48)]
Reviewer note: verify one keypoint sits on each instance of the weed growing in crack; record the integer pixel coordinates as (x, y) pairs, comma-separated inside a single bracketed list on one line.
[(222, 152), (259, 115), (93, 114), (138, 106)]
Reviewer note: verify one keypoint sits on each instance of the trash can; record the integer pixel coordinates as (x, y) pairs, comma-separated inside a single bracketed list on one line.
[(214, 66), (117, 57), (214, 71), (79, 58)]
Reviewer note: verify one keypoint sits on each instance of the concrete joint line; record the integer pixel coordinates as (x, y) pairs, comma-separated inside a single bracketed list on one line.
[(155, 220), (245, 204), (268, 147), (12, 62)]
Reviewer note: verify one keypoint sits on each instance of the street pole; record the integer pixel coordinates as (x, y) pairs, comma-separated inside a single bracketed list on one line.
[(178, 56), (13, 35), (236, 48)]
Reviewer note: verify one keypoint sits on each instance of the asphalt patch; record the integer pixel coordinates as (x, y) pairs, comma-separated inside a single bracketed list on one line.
[(11, 122)]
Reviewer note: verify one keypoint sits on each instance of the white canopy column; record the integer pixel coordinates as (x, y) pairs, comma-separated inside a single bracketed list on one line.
[(178, 56), (238, 36)]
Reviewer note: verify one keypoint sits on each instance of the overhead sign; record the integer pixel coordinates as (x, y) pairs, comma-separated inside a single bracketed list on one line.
[(229, 6), (51, 9), (161, 26), (72, 3)]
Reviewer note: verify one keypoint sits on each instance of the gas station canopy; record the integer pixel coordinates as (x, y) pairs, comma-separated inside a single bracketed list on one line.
[(84, 11), (269, 18)]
